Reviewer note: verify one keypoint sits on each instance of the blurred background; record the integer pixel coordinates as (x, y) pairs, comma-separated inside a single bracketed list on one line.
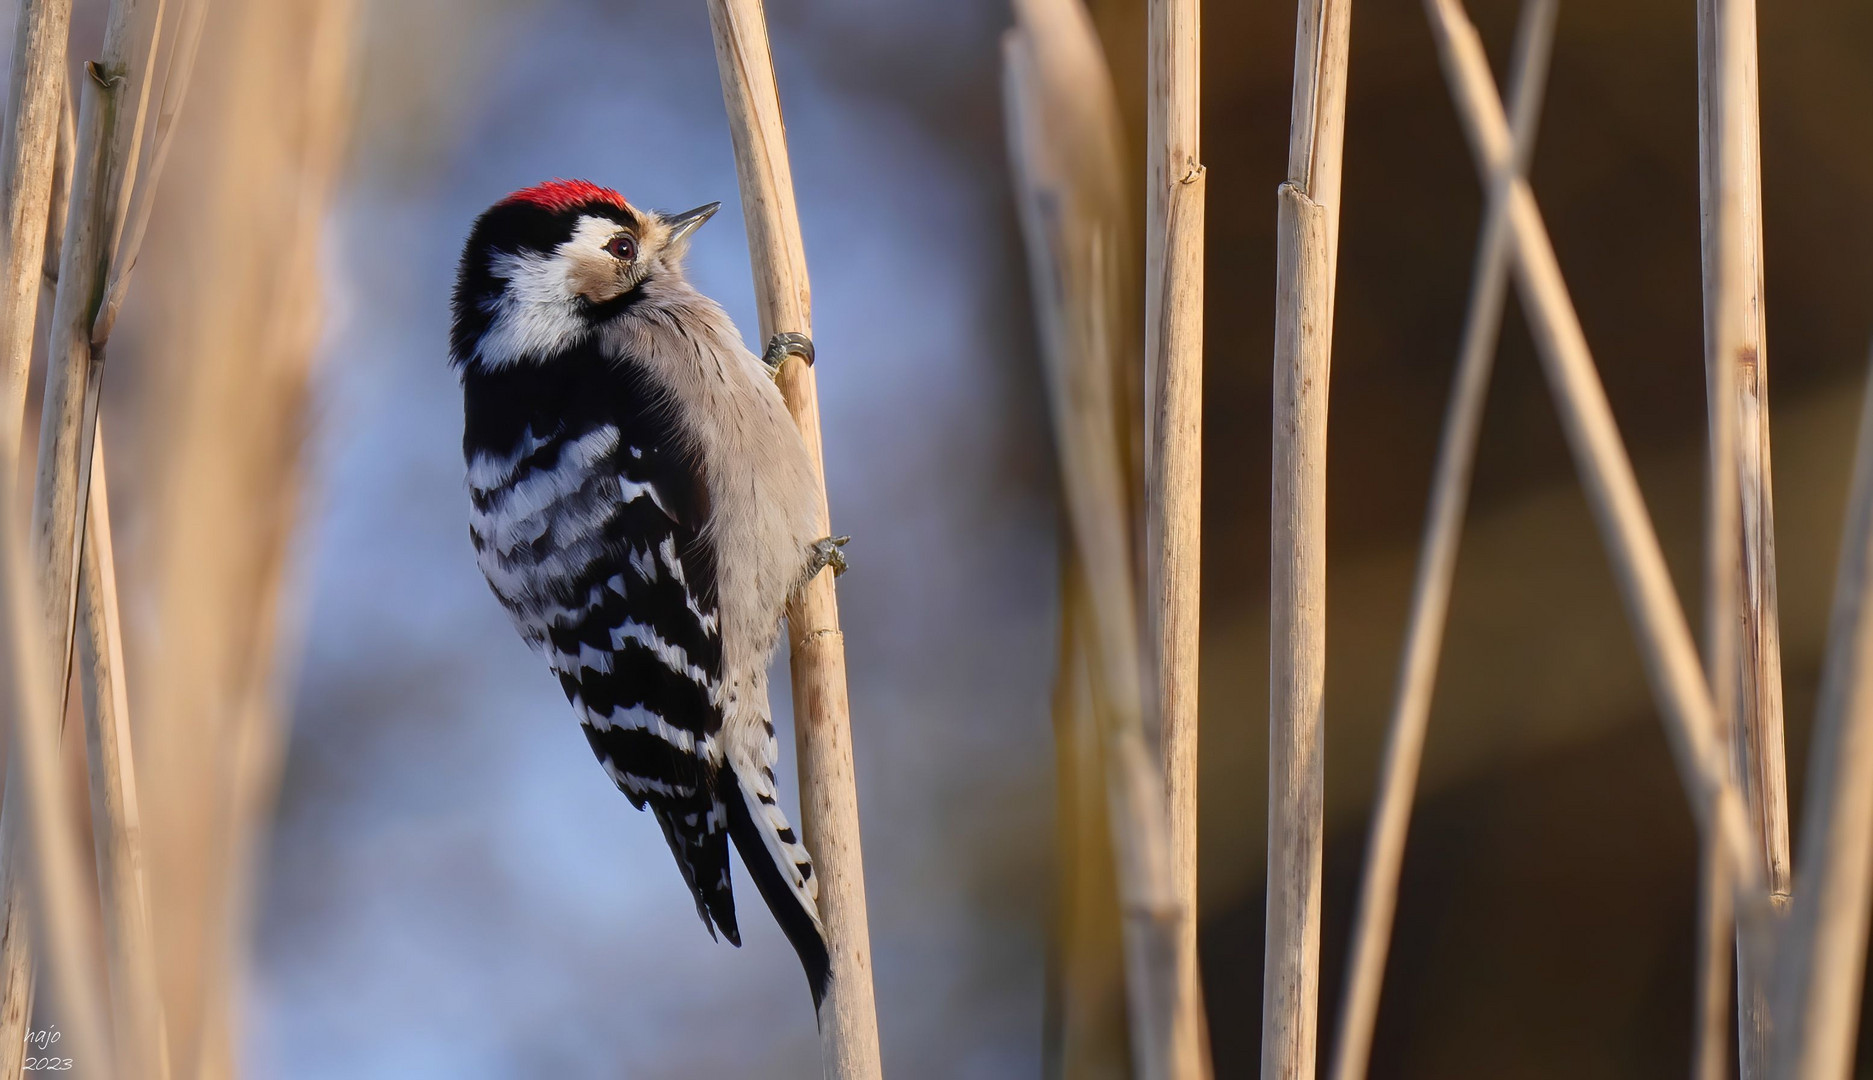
[(446, 885)]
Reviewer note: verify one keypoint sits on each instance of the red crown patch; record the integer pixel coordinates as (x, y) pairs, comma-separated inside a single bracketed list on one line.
[(559, 196)]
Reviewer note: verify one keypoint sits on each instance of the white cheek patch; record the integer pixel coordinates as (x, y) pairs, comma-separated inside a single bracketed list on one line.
[(537, 315)]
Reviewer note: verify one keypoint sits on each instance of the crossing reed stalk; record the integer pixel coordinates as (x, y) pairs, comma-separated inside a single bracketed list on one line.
[(1664, 638), (1443, 531)]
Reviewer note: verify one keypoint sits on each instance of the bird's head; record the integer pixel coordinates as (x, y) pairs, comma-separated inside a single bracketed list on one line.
[(545, 265)]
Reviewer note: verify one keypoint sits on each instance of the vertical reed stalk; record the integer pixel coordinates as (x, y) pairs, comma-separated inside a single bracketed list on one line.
[(1443, 531), (1725, 296), (104, 172), (39, 58), (1174, 205), (34, 98), (142, 1043), (1307, 256), (1821, 955), (848, 1017), (1729, 145), (1664, 638), (44, 869), (1063, 131), (115, 94)]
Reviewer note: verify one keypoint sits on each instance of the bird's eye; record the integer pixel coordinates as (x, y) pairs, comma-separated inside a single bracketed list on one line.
[(622, 246)]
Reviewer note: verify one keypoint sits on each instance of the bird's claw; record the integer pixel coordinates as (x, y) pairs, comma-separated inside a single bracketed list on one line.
[(826, 553), (784, 345)]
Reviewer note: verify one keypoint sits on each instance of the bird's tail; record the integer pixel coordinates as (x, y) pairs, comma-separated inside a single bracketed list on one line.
[(778, 862)]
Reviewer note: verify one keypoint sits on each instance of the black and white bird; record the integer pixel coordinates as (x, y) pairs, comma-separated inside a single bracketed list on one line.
[(644, 507)]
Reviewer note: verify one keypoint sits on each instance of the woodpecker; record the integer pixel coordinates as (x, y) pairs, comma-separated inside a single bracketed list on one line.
[(643, 506)]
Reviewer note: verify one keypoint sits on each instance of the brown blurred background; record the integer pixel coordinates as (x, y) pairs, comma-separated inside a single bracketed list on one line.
[(1545, 926)]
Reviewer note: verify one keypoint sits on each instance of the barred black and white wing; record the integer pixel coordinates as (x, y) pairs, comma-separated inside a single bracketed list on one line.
[(589, 522)]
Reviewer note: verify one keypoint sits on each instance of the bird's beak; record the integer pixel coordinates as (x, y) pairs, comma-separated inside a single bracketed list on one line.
[(681, 225)]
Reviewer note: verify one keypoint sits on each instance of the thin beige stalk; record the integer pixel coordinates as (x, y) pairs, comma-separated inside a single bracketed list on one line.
[(1174, 207), (1063, 131), (44, 867), (1820, 961), (1664, 638), (34, 97), (1729, 145), (1726, 296), (141, 1042), (1443, 531), (1306, 261), (115, 94), (97, 169), (848, 1017), (16, 982)]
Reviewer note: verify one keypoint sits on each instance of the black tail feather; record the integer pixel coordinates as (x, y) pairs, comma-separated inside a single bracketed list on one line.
[(799, 924), (702, 855)]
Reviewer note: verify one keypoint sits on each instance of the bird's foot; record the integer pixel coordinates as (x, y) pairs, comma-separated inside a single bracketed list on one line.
[(826, 553), (784, 345)]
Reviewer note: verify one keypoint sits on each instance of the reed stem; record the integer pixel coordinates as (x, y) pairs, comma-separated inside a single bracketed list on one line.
[(1307, 256), (1063, 131), (142, 1042), (1664, 638), (1730, 175), (1443, 531), (848, 1017), (1174, 209), (35, 97)]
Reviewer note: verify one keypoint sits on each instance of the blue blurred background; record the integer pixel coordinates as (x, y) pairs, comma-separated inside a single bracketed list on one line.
[(456, 889)]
